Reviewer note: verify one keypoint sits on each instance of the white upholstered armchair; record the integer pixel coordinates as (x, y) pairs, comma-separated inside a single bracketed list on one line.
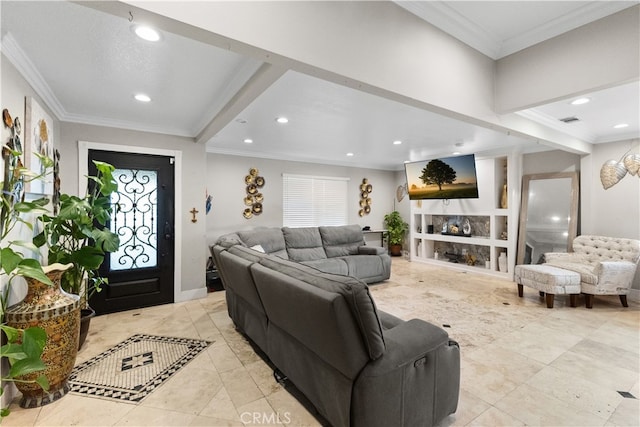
[(607, 265)]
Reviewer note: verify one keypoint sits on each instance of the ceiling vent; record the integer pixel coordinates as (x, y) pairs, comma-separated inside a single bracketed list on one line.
[(571, 119)]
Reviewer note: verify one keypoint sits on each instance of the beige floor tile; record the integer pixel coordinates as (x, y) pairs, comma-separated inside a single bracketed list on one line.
[(493, 372), (259, 412), (73, 410), (262, 375), (202, 421), (538, 342), (614, 355), (537, 408), (221, 407), (494, 417), (470, 407), (223, 358), (597, 371), (291, 410), (576, 391), (240, 386), (627, 413), (146, 416), (188, 392)]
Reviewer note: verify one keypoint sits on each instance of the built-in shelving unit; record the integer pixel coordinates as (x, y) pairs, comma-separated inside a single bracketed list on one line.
[(493, 226)]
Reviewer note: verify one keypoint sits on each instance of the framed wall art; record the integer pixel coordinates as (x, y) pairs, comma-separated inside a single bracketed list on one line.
[(38, 138)]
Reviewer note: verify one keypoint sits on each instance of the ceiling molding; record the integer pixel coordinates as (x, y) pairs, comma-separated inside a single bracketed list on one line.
[(14, 53), (446, 18), (442, 16), (562, 24)]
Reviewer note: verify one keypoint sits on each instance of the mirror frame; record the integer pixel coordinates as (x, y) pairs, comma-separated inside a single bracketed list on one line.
[(573, 208)]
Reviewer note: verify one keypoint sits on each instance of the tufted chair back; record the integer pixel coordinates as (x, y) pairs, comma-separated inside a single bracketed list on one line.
[(599, 248)]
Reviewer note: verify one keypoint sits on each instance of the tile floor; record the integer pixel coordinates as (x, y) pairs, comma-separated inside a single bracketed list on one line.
[(522, 364)]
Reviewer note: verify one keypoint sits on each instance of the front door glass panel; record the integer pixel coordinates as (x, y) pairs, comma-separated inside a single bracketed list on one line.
[(134, 219)]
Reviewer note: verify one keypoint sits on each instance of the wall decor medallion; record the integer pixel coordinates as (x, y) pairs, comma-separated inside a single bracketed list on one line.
[(254, 198), (613, 171), (365, 200)]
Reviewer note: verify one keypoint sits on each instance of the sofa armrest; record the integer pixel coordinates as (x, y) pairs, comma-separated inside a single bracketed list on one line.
[(619, 273), (371, 250), (416, 380), (407, 343)]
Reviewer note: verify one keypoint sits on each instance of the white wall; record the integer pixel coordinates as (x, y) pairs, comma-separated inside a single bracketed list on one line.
[(225, 183)]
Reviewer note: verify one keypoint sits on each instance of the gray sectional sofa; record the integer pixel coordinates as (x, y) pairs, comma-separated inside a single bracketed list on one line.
[(357, 365), (339, 250)]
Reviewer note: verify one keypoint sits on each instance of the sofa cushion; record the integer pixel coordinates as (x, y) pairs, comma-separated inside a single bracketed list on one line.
[(303, 244), (364, 266), (354, 291), (229, 240), (270, 239), (586, 271), (341, 240), (329, 265)]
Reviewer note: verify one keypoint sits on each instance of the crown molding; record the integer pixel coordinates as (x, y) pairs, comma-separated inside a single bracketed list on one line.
[(562, 24), (14, 53), (446, 18), (442, 16)]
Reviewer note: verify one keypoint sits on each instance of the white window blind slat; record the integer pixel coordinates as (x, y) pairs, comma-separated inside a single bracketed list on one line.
[(310, 201)]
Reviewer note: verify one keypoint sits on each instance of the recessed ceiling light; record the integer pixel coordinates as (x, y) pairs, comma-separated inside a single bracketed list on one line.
[(456, 153), (349, 154), (142, 97), (147, 33), (621, 125), (397, 142), (580, 101), (248, 141), (282, 120)]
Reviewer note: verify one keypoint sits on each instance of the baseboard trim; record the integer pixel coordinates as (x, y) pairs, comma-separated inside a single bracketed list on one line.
[(191, 294)]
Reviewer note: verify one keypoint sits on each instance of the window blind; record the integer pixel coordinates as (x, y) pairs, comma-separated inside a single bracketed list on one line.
[(311, 201)]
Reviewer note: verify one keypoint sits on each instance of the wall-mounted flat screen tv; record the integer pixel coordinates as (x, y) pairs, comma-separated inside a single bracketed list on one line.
[(443, 178)]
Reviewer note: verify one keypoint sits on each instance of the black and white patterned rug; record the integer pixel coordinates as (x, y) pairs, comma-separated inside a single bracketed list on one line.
[(131, 370)]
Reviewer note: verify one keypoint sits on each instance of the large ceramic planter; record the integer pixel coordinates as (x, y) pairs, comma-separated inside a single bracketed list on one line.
[(58, 313)]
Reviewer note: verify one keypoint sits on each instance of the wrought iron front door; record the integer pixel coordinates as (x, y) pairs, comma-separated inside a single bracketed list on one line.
[(141, 272)]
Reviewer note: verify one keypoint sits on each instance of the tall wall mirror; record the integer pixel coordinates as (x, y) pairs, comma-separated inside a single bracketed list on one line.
[(548, 215)]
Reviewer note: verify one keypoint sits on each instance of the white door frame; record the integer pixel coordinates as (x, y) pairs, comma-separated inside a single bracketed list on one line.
[(83, 172)]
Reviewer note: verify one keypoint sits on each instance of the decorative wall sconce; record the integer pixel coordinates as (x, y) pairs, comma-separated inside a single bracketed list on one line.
[(365, 200), (613, 171), (254, 197)]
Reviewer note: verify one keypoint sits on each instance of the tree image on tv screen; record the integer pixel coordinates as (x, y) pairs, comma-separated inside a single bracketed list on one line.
[(438, 172)]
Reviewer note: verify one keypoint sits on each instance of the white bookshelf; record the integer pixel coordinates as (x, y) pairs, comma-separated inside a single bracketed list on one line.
[(489, 221)]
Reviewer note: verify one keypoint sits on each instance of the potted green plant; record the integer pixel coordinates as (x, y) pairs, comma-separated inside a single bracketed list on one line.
[(78, 235), (396, 229), (22, 348)]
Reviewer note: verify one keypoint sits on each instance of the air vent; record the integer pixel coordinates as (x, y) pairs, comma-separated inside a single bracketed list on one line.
[(570, 119)]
